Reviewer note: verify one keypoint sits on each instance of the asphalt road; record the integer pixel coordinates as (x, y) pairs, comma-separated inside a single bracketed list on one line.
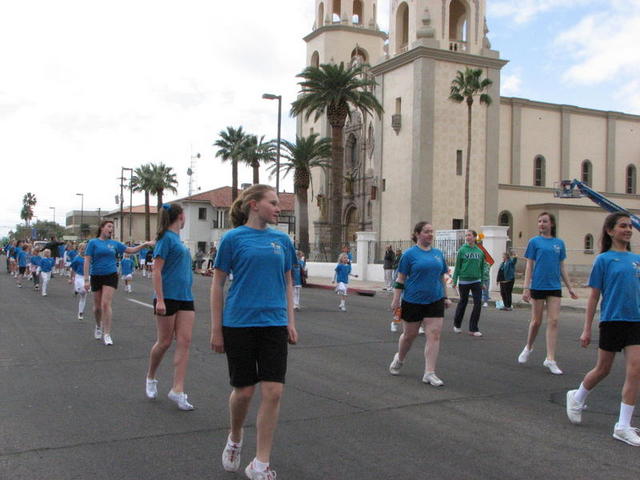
[(72, 408)]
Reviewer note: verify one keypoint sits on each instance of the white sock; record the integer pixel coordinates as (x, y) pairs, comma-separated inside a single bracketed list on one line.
[(260, 466), (626, 412), (581, 394), (232, 443)]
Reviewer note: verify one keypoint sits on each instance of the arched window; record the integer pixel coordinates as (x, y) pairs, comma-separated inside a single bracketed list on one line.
[(402, 27), (320, 21), (630, 179), (357, 12), (586, 172), (337, 11), (359, 56), (539, 173), (458, 23), (351, 157), (505, 219), (315, 59), (588, 243)]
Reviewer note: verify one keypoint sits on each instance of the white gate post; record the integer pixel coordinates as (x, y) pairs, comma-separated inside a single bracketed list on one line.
[(363, 241), (495, 242)]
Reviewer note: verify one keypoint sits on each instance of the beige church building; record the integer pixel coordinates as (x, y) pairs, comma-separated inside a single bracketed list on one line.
[(408, 165)]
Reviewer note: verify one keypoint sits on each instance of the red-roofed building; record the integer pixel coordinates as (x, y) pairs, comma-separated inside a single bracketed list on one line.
[(208, 217), (133, 224)]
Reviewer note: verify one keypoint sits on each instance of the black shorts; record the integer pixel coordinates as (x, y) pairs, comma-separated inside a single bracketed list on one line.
[(21, 270), (614, 336), (416, 312), (99, 281), (543, 294), (256, 354), (174, 306)]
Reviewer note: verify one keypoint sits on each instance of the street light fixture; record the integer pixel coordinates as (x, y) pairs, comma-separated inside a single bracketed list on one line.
[(81, 195), (271, 96)]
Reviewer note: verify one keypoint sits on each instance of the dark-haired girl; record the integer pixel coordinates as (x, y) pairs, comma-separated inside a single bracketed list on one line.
[(256, 322), (101, 276), (545, 268), (615, 275), (173, 303), (421, 278)]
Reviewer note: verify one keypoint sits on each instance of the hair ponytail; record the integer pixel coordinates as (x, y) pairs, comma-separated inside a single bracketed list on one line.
[(167, 215), (240, 209)]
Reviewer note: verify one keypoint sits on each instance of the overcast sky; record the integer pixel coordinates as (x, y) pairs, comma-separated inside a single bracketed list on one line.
[(88, 87)]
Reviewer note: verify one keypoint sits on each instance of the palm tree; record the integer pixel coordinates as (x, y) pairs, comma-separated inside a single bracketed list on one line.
[(142, 182), (336, 90), (229, 145), (255, 150), (162, 178), (28, 202), (464, 88), (301, 157)]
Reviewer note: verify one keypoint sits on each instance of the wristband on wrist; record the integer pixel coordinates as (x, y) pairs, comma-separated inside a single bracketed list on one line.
[(398, 285)]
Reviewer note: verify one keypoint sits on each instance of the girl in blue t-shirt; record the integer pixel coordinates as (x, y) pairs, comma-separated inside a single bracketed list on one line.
[(173, 303), (34, 266), (22, 252), (77, 278), (46, 266), (341, 278), (544, 270), (126, 271), (257, 320), (421, 282), (297, 272), (615, 276), (101, 276)]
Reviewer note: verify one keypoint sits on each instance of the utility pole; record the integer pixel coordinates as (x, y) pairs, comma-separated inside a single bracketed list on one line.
[(121, 178)]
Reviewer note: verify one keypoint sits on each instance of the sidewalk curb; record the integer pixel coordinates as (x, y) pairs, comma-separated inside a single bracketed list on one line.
[(350, 290)]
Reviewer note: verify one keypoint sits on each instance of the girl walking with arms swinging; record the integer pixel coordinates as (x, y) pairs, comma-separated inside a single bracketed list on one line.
[(255, 323)]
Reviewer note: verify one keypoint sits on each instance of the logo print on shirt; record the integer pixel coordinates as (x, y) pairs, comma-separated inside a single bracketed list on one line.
[(557, 249), (277, 249), (636, 266)]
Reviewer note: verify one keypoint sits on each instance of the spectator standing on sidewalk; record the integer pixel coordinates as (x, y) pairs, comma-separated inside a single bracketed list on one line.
[(389, 258), (506, 279)]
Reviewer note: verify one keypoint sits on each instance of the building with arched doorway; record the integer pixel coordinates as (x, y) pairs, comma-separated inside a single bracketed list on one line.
[(409, 164)]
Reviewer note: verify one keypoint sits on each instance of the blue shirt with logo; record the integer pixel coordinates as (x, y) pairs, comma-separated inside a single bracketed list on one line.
[(342, 273), (126, 266), (259, 261), (177, 276), (103, 255), (47, 264), (424, 270), (617, 276), (35, 260), (548, 254), (22, 258), (77, 264)]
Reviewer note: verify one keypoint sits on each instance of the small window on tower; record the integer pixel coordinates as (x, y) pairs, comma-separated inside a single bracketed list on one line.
[(202, 213), (398, 105), (458, 162)]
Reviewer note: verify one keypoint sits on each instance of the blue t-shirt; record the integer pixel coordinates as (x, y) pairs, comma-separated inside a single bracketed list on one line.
[(77, 265), (617, 276), (177, 276), (16, 252), (342, 273), (103, 255), (143, 253), (35, 260), (22, 258), (296, 273), (547, 253), (259, 260), (424, 270), (61, 249), (509, 269), (71, 254), (126, 266), (47, 264)]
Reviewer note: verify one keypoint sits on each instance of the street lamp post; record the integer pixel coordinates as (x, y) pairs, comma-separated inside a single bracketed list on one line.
[(130, 198), (54, 213), (271, 96), (81, 195)]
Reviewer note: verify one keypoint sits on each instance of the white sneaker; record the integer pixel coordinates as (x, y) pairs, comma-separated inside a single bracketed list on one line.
[(80, 316), (231, 456), (395, 327), (253, 474), (421, 331), (431, 378), (396, 365), (342, 308), (524, 356), (457, 330), (552, 366), (180, 399), (574, 408), (627, 434), (97, 333), (152, 388), (475, 334), (107, 339), (485, 304)]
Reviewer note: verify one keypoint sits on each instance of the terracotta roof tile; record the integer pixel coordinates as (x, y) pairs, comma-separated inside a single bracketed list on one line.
[(221, 197)]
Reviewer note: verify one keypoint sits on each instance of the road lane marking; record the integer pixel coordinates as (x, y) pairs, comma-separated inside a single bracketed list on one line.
[(140, 303)]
